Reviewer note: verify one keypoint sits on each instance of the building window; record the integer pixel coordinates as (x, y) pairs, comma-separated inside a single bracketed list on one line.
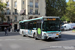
[(15, 18), (23, 2), (36, 11), (7, 4), (8, 18), (8, 11), (15, 11), (36, 4), (31, 11), (15, 4), (31, 4)]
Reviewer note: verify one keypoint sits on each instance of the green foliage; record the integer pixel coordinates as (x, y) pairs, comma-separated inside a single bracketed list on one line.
[(70, 10), (63, 18), (55, 8), (2, 7)]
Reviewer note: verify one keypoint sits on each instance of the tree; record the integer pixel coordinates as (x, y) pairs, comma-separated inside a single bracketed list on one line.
[(2, 7), (70, 10), (55, 7)]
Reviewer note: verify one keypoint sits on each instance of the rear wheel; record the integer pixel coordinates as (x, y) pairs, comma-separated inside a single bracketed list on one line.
[(35, 37)]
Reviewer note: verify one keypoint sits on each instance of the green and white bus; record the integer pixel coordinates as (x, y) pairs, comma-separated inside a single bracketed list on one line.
[(41, 28)]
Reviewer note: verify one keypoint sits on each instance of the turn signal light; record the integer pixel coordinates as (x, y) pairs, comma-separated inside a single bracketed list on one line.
[(57, 34)]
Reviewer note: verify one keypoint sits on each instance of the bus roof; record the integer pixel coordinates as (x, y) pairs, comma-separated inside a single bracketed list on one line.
[(37, 19)]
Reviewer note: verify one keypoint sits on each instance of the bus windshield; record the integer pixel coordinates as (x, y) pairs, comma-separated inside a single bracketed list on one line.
[(51, 26)]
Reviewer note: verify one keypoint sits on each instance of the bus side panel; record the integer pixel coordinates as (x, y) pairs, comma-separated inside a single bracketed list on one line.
[(26, 32)]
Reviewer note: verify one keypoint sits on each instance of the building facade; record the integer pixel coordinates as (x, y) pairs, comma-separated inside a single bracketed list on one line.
[(18, 10)]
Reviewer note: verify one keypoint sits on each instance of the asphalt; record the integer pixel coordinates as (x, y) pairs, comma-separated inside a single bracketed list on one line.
[(14, 41)]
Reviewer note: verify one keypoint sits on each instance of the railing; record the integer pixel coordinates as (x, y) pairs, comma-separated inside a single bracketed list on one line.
[(8, 13), (15, 13), (34, 13), (31, 5), (36, 6)]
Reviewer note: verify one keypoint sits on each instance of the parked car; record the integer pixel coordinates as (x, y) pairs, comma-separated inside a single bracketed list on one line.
[(67, 27)]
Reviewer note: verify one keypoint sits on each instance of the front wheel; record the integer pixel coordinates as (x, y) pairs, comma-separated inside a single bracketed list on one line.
[(36, 37)]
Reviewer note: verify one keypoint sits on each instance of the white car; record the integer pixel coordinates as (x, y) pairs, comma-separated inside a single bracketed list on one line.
[(67, 27)]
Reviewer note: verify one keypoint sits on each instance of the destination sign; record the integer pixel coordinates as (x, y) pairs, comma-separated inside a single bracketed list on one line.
[(50, 19)]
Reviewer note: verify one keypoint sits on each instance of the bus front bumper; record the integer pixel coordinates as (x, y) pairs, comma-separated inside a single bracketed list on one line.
[(51, 37)]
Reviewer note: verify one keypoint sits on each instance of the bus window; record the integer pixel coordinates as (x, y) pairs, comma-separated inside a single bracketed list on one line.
[(22, 26), (51, 26), (26, 25), (34, 24), (30, 25)]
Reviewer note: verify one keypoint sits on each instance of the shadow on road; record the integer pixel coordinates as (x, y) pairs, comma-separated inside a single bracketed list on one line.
[(9, 34), (64, 37)]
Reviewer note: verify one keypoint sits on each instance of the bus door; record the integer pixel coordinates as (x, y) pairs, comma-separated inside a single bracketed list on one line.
[(39, 29)]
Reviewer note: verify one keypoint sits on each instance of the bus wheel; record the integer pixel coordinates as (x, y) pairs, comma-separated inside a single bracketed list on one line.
[(36, 38)]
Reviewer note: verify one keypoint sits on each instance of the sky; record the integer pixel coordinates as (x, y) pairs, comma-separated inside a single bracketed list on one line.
[(66, 0)]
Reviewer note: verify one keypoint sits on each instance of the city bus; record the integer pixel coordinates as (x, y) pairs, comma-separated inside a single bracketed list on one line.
[(41, 28)]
